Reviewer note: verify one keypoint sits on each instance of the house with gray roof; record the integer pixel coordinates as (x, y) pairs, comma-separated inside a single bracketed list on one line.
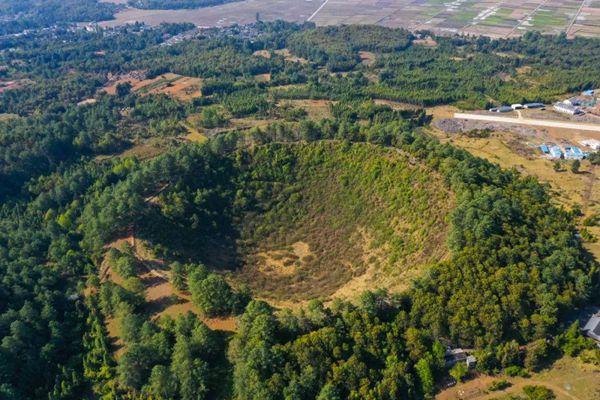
[(592, 327)]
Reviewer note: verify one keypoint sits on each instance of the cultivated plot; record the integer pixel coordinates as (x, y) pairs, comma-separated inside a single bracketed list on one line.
[(494, 18), (243, 12)]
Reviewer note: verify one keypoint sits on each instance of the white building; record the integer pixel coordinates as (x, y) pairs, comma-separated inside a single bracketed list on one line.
[(566, 108), (591, 143)]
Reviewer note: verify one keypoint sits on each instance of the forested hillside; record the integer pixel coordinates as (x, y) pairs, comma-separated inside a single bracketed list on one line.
[(163, 242)]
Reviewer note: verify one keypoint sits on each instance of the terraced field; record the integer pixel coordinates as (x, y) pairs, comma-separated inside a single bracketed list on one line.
[(494, 18)]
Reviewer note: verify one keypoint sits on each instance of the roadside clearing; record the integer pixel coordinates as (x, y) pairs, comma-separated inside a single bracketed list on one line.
[(532, 122)]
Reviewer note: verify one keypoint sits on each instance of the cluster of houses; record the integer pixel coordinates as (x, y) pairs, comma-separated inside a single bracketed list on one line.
[(513, 107), (586, 102), (555, 152), (567, 152)]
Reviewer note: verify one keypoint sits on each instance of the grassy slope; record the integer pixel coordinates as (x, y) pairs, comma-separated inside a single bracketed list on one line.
[(568, 378), (335, 219)]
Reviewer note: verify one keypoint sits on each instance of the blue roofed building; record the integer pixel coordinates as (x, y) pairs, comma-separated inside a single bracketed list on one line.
[(544, 149), (555, 152), (573, 153)]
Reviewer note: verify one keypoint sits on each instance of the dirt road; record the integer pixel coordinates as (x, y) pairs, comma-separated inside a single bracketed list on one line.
[(532, 122)]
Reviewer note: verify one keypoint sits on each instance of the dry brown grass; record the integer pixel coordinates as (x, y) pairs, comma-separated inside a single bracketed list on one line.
[(288, 56), (194, 135), (568, 378), (396, 105), (262, 77), (116, 343), (177, 86), (427, 42), (161, 298), (366, 57), (524, 70), (316, 109), (284, 262), (332, 249), (262, 53), (146, 150)]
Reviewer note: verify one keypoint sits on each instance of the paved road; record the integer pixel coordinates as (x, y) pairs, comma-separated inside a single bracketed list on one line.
[(533, 122)]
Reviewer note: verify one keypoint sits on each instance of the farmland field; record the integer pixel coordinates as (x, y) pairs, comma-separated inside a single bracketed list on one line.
[(494, 18)]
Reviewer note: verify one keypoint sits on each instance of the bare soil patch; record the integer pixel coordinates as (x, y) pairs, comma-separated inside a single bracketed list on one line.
[(285, 261), (366, 57), (161, 298), (288, 56), (177, 86), (262, 53), (316, 109), (427, 42), (262, 77)]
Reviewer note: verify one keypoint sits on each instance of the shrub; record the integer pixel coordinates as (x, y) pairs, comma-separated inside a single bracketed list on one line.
[(459, 371), (587, 235), (591, 220), (538, 393), (212, 117), (591, 356), (575, 166), (514, 370), (178, 274), (214, 296), (499, 385), (123, 262), (571, 342), (538, 354)]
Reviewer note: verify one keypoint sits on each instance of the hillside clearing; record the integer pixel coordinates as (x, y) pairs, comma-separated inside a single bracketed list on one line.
[(334, 236), (568, 378), (177, 86)]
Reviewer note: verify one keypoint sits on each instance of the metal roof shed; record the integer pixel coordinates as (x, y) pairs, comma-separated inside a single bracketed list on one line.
[(592, 327)]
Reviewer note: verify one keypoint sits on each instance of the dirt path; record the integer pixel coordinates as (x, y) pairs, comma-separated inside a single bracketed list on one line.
[(574, 20), (530, 15), (587, 194), (531, 122), (316, 12)]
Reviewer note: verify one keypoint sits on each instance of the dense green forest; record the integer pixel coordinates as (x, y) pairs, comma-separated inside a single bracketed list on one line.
[(507, 271), (175, 4)]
